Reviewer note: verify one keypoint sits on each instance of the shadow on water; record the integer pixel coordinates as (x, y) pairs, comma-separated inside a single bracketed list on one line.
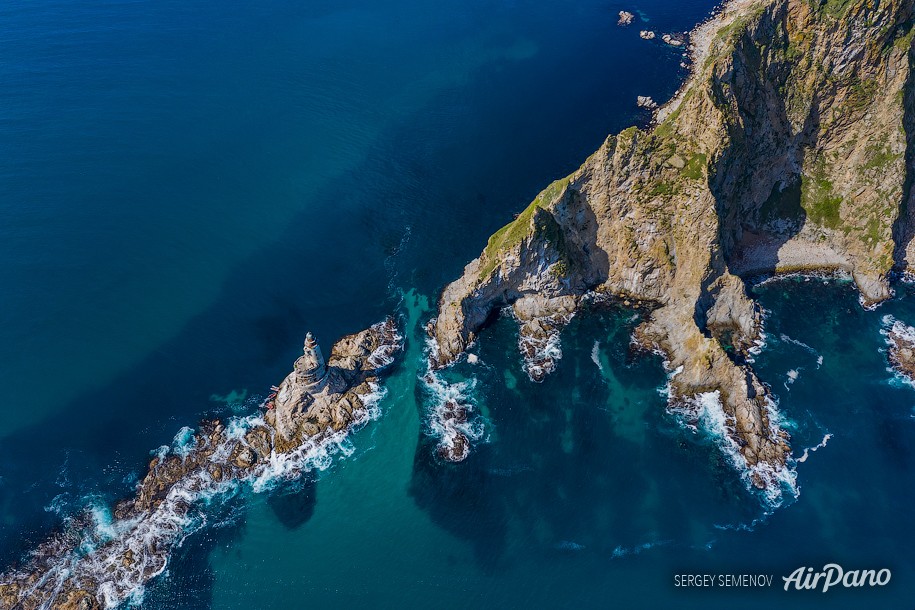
[(589, 462), (462, 499), (294, 502)]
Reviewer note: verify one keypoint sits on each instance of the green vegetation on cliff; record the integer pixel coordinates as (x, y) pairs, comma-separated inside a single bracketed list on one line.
[(511, 234)]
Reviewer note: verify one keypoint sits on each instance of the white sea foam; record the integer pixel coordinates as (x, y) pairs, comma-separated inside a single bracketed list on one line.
[(541, 351), (595, 355), (148, 538), (546, 354), (184, 442), (444, 399), (825, 276), (623, 551), (704, 413), (788, 339), (898, 328), (759, 344), (810, 450), (790, 377), (905, 333)]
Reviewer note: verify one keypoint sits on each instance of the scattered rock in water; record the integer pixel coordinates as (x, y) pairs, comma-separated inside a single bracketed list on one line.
[(673, 40), (645, 101), (457, 450), (541, 320), (625, 18), (901, 351), (647, 35)]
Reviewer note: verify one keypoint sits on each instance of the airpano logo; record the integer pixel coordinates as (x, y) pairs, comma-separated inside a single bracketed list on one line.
[(833, 575)]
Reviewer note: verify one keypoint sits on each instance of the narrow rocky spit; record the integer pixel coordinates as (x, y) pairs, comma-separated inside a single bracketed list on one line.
[(314, 410), (785, 151)]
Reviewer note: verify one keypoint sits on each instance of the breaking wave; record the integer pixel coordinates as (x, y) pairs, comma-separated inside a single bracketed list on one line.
[(451, 416), (705, 414), (121, 555), (539, 342), (906, 334)]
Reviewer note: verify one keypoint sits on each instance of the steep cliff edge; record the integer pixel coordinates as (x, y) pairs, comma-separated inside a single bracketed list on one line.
[(787, 149)]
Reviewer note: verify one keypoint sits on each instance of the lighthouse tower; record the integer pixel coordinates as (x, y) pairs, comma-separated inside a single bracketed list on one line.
[(310, 368)]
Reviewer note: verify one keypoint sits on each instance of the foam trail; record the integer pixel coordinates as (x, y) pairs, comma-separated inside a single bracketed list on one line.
[(810, 450), (595, 355), (819, 358), (621, 551)]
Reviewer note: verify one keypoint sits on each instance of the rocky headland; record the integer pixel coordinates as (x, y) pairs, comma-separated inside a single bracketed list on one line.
[(787, 149), (82, 568)]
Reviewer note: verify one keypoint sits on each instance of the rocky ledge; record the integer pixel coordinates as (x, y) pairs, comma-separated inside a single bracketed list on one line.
[(789, 139), (83, 569)]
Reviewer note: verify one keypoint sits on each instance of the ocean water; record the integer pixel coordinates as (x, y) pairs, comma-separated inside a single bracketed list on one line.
[(186, 188)]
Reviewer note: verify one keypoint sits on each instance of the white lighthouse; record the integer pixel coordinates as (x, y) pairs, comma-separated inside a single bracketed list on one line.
[(310, 368)]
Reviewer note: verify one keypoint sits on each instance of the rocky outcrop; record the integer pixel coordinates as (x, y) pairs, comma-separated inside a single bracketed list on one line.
[(787, 149), (62, 575), (900, 340)]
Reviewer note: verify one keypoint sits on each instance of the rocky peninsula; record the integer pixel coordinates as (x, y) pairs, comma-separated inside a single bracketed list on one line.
[(314, 408), (788, 149)]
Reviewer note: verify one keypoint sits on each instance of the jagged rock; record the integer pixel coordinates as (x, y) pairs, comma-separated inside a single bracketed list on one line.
[(625, 18), (900, 339), (246, 457), (457, 450), (647, 35), (672, 40), (643, 101)]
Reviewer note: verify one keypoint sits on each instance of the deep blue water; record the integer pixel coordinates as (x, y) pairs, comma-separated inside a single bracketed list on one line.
[(185, 188)]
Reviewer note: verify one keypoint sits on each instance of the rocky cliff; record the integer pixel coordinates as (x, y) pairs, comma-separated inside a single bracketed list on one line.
[(788, 148)]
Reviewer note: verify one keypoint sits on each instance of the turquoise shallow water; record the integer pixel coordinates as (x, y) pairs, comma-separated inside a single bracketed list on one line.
[(586, 491), (187, 187)]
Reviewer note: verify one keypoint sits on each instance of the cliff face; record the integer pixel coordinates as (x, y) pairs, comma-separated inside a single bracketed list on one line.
[(787, 149)]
